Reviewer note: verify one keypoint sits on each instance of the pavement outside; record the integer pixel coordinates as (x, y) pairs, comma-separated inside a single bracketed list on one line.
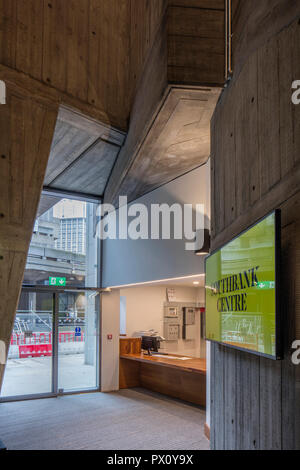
[(33, 375)]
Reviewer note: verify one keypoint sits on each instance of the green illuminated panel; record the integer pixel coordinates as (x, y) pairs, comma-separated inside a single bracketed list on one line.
[(240, 291)]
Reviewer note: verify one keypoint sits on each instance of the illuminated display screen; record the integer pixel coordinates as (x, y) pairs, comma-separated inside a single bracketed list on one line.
[(242, 288)]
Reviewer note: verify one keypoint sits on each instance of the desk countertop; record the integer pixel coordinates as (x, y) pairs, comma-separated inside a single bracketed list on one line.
[(189, 365)]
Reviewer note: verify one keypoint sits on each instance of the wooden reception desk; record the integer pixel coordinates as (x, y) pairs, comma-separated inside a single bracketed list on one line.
[(183, 379)]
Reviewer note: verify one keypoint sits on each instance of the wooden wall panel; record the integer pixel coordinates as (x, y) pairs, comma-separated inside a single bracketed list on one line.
[(129, 374), (27, 125), (255, 402), (176, 383)]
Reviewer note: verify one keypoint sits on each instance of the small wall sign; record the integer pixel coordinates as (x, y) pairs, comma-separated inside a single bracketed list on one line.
[(78, 331), (57, 281)]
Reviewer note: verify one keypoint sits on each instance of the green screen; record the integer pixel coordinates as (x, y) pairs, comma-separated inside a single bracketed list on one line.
[(240, 290)]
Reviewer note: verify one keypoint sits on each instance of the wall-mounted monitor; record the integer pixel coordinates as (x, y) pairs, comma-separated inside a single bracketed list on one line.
[(242, 290)]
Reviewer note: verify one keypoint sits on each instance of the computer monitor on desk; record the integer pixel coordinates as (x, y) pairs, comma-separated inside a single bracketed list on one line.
[(150, 344)]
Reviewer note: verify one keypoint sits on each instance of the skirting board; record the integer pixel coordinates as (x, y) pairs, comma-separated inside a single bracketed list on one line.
[(207, 431)]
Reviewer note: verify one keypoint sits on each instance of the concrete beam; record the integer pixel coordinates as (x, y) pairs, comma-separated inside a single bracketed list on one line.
[(26, 130)]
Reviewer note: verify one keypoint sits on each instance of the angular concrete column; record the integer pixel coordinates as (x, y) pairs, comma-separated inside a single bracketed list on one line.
[(27, 125)]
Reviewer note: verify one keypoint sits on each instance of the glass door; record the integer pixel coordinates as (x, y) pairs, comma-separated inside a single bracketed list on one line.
[(78, 341), (29, 369), (54, 345)]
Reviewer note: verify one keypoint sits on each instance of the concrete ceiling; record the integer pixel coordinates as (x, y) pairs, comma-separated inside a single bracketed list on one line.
[(113, 60), (82, 155), (46, 202), (177, 142), (167, 132)]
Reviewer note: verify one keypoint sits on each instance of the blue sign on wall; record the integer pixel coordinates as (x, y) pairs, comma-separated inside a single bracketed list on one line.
[(77, 331)]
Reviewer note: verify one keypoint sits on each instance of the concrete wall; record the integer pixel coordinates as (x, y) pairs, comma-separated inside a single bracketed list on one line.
[(133, 261), (255, 402), (208, 373)]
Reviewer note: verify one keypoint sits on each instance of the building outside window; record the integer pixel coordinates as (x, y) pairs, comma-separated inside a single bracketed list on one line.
[(64, 245)]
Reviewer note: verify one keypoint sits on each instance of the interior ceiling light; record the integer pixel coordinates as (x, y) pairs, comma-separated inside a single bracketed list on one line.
[(157, 281)]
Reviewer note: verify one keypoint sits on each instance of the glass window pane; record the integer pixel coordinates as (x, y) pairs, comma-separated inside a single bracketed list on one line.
[(78, 341), (64, 244), (29, 365)]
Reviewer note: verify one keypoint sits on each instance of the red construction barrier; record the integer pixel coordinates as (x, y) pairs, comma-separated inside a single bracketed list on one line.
[(20, 339), (69, 337), (40, 344), (33, 350)]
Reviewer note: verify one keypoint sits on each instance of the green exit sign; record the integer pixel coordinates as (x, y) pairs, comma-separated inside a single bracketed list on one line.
[(57, 281), (266, 285)]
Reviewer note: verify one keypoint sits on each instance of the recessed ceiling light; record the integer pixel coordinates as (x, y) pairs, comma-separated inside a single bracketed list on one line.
[(158, 281), (196, 283)]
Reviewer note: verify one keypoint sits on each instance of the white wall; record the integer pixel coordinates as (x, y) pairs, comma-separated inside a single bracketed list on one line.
[(110, 349), (126, 262), (133, 261), (145, 310)]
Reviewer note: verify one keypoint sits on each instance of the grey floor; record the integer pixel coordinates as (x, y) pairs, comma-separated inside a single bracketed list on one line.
[(132, 419)]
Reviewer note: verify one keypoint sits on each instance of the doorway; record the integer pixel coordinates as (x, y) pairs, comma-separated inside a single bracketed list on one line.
[(54, 347)]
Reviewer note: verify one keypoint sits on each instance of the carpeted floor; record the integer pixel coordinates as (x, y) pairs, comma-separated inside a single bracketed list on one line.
[(127, 420)]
